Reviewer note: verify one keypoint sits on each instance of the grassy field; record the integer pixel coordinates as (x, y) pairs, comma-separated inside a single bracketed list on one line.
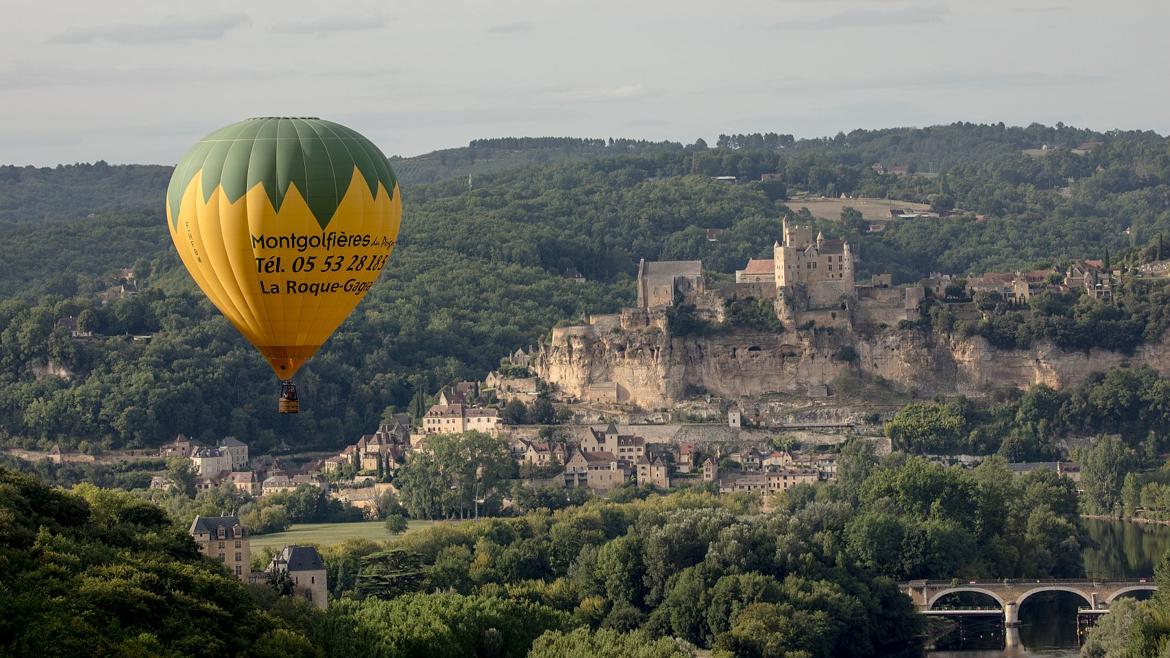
[(324, 534), (872, 209)]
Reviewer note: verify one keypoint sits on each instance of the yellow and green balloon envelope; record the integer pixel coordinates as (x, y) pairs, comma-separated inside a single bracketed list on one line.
[(285, 223)]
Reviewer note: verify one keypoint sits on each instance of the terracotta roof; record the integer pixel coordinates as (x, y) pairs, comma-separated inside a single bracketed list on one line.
[(601, 456), (760, 266)]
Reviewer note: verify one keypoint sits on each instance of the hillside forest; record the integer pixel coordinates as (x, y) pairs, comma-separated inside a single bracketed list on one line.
[(484, 265)]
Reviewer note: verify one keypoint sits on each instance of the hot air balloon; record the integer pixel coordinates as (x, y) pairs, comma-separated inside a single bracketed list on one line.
[(284, 223)]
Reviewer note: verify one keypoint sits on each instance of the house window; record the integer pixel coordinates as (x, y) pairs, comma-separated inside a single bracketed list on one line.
[(222, 557), (238, 558), (312, 580), (237, 543), (221, 544), (239, 570)]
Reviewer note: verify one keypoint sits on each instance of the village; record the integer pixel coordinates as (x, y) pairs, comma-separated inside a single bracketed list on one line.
[(597, 437), (595, 457)]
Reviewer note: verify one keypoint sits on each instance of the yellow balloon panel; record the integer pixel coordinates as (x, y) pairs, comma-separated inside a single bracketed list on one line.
[(284, 282)]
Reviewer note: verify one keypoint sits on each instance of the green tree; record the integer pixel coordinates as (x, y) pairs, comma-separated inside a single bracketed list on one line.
[(182, 475), (926, 428), (388, 574), (1103, 470), (586, 643), (395, 524)]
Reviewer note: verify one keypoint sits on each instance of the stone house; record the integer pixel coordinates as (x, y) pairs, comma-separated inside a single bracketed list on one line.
[(211, 462), (710, 470), (457, 418), (245, 481), (595, 470), (281, 483), (537, 453), (777, 459), (687, 454), (181, 446), (750, 459), (223, 538), (627, 448), (1090, 277), (237, 450), (768, 482), (653, 473), (461, 393), (305, 568)]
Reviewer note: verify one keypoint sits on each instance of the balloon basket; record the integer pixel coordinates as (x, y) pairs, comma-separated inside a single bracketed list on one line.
[(288, 403)]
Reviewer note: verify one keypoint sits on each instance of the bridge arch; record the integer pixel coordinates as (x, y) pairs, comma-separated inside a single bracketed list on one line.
[(964, 588), (1054, 588), (1147, 587)]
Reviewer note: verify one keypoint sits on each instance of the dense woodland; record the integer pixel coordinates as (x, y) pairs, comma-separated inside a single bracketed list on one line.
[(481, 268)]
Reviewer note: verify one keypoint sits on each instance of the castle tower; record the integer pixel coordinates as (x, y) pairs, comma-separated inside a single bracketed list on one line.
[(796, 236)]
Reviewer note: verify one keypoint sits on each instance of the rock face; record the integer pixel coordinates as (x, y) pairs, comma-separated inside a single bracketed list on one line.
[(652, 369)]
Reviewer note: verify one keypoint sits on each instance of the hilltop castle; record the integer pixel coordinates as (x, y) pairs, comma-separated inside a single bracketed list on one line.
[(820, 271), (810, 279)]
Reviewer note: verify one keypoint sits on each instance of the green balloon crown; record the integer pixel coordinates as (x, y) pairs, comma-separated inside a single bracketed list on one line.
[(316, 156)]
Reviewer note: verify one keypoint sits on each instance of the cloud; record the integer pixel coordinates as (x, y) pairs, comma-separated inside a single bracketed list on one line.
[(562, 94), (166, 31), (931, 81), (442, 117), (30, 75), (512, 28), (625, 91), (42, 75), (331, 25), (1040, 10), (867, 18)]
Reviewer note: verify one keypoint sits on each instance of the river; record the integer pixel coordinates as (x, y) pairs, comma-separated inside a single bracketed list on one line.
[(1048, 622)]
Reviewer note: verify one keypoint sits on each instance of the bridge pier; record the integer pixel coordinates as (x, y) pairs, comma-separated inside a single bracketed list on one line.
[(1011, 614), (1011, 637)]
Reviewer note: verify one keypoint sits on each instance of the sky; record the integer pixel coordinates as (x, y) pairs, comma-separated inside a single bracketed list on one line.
[(140, 82)]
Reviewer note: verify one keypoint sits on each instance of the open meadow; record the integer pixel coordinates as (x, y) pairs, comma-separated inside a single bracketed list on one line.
[(325, 534), (871, 209)]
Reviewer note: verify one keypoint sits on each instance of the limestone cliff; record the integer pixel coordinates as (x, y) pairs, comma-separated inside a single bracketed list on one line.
[(652, 369)]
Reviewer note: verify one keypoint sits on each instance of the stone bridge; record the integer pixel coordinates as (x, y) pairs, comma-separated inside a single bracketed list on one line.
[(1010, 594)]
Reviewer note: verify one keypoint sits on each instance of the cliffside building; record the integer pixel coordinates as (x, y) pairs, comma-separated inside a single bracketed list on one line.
[(659, 281), (757, 270), (819, 271)]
